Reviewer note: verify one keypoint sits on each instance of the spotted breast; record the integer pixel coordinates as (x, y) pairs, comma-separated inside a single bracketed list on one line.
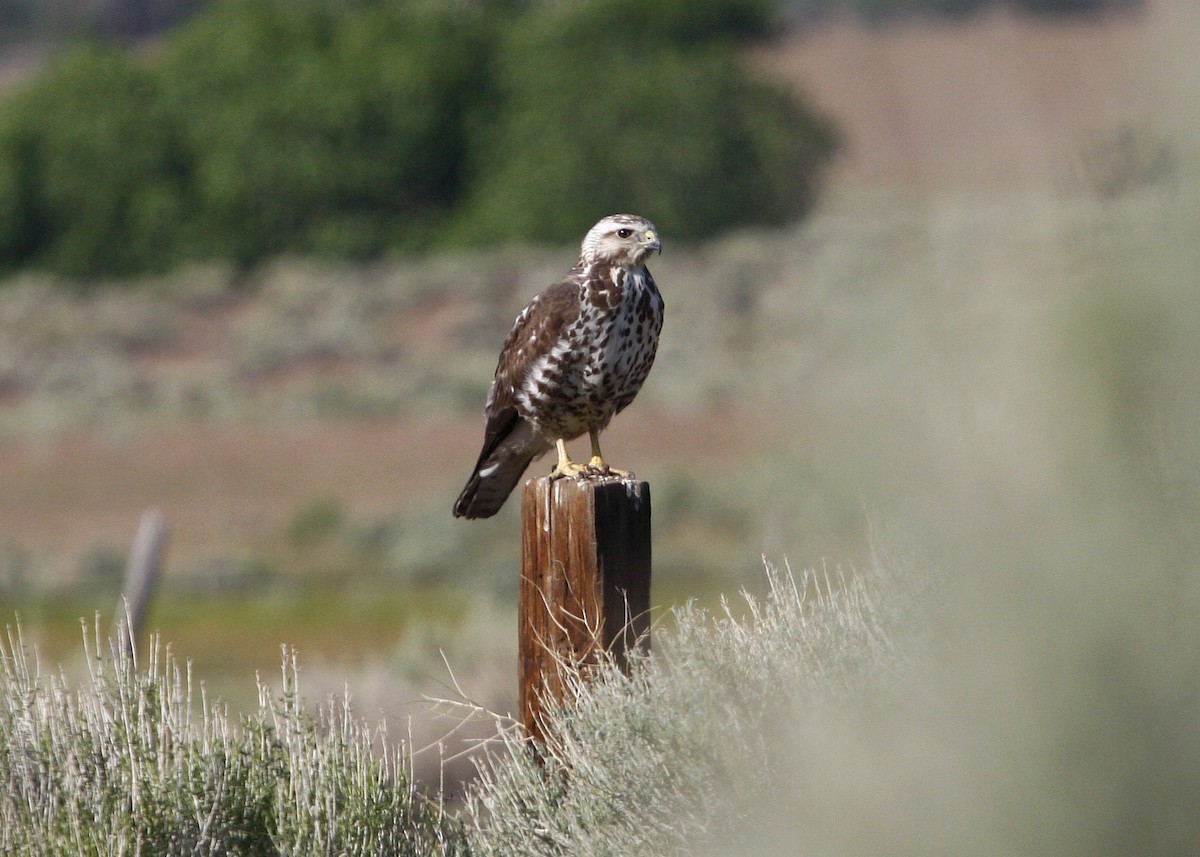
[(605, 355)]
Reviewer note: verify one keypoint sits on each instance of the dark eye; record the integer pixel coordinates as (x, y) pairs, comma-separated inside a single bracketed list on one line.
[(624, 233)]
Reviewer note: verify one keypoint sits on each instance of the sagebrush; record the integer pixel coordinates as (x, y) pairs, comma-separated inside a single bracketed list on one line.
[(135, 760)]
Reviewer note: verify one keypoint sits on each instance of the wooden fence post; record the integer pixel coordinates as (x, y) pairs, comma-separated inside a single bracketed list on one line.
[(585, 580), (141, 577)]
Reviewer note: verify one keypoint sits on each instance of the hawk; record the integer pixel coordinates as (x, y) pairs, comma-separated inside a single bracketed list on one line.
[(575, 358)]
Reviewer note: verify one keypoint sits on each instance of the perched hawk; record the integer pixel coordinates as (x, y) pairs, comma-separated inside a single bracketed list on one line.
[(575, 358)]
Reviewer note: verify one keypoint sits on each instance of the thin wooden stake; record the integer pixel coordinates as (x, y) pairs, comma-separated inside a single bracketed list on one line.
[(585, 581), (141, 577)]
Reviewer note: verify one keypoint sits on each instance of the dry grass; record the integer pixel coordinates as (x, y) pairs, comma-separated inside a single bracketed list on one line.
[(136, 759)]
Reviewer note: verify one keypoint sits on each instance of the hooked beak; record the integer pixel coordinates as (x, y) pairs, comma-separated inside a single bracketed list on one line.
[(651, 243)]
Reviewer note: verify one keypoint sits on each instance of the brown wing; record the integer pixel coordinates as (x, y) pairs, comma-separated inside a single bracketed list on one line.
[(537, 329)]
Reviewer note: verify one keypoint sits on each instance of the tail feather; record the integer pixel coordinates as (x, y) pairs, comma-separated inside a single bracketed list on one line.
[(490, 485)]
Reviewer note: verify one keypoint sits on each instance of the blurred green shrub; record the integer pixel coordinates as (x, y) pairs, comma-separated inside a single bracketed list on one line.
[(319, 129), (92, 173), (657, 117), (355, 128)]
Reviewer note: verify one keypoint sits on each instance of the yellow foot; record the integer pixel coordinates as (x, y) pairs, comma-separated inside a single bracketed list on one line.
[(569, 469), (595, 467), (566, 467), (598, 467)]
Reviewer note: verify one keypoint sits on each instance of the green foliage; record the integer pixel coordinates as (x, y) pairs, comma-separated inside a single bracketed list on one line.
[(671, 22), (679, 132), (623, 106), (93, 162), (320, 129), (355, 128)]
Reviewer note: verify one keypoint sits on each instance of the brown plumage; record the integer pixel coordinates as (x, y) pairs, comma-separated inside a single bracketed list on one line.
[(575, 358)]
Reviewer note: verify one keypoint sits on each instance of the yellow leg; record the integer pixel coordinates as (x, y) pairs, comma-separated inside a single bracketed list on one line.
[(597, 465), (565, 466)]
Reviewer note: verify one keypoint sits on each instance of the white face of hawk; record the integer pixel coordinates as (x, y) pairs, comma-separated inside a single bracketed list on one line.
[(620, 239)]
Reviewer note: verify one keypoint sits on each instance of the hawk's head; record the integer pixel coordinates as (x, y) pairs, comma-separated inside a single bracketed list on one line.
[(620, 239)]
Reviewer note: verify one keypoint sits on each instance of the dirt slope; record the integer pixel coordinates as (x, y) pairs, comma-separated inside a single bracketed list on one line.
[(996, 101)]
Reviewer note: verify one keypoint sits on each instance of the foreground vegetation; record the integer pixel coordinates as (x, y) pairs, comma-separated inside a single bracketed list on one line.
[(891, 704), (136, 758)]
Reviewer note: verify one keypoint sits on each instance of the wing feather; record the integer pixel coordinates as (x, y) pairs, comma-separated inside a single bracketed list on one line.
[(508, 442), (536, 331)]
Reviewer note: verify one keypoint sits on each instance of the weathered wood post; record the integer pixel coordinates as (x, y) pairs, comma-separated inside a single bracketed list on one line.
[(585, 580)]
